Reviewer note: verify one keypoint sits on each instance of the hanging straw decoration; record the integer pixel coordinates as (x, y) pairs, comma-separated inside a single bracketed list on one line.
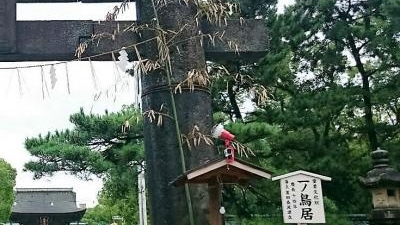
[(44, 83), (117, 74), (117, 78), (94, 77), (67, 75), (124, 59), (19, 83), (53, 76), (41, 71), (138, 86)]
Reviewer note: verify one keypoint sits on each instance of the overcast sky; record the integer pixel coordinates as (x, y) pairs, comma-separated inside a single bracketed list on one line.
[(25, 113)]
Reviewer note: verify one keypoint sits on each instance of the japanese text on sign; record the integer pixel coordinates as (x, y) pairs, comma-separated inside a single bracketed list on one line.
[(302, 199)]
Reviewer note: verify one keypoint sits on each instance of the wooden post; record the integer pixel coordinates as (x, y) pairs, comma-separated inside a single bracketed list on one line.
[(214, 193), (142, 194)]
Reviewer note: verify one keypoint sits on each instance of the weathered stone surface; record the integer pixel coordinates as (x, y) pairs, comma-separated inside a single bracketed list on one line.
[(58, 40), (380, 180), (7, 27), (245, 40), (382, 175), (51, 38), (168, 204), (388, 216)]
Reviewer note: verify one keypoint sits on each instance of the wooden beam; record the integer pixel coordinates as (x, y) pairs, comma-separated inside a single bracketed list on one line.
[(237, 40)]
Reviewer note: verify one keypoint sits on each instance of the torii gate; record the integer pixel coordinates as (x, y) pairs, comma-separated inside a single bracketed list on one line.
[(57, 40)]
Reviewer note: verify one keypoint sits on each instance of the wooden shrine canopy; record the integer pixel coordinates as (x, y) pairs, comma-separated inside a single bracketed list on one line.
[(220, 171), (217, 172), (58, 40)]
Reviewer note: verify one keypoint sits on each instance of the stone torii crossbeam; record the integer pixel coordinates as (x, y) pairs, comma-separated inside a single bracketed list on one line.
[(57, 40)]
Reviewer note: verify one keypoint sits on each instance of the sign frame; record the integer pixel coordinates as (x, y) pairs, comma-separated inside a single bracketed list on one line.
[(302, 199)]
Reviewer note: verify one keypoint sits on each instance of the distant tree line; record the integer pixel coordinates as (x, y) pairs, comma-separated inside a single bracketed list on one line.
[(7, 195)]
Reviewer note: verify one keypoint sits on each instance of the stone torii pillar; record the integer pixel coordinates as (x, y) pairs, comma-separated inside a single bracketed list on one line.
[(57, 40), (7, 27), (168, 204)]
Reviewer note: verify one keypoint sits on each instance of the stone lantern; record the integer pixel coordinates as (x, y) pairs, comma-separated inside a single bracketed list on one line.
[(384, 183)]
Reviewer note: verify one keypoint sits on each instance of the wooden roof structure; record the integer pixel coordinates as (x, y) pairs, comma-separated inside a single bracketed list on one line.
[(221, 171), (217, 172), (324, 178)]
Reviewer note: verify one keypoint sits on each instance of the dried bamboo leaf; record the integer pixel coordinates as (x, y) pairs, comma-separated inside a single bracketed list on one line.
[(160, 120), (241, 20), (188, 144)]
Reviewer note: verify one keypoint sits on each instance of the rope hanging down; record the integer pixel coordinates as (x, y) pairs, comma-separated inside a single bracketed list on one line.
[(53, 74), (49, 77)]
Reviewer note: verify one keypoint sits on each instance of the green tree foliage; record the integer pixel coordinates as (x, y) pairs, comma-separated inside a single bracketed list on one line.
[(109, 146), (125, 207), (333, 66), (96, 144), (332, 75), (347, 52), (256, 8), (7, 180)]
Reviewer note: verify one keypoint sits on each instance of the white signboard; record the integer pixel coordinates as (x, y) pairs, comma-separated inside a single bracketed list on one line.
[(302, 200)]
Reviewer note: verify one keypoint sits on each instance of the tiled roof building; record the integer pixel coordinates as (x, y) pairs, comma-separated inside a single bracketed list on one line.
[(46, 206)]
